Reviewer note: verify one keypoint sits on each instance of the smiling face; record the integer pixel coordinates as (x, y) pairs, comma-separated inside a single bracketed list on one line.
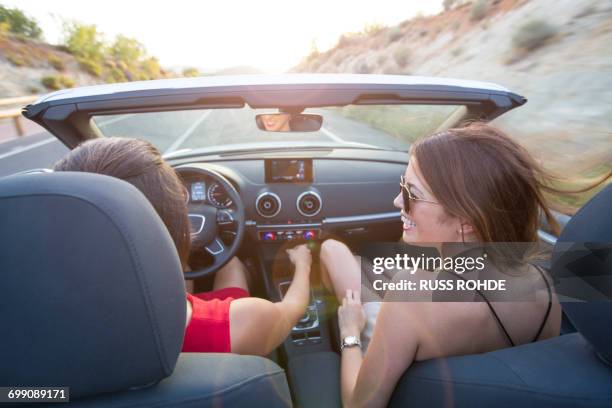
[(426, 222), (277, 122)]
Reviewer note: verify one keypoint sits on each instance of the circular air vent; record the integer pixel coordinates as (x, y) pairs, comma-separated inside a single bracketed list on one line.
[(308, 203), (268, 204)]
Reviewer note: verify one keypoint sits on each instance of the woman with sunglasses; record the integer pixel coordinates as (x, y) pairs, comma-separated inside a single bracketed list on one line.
[(471, 184)]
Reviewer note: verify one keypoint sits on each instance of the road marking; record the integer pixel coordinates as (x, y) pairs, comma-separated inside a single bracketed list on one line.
[(338, 139), (114, 120), (332, 136), (26, 148), (187, 133)]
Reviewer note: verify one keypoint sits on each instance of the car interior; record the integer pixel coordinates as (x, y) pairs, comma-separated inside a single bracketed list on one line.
[(93, 293)]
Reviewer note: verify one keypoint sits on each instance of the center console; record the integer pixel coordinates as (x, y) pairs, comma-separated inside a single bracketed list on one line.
[(312, 367), (307, 331)]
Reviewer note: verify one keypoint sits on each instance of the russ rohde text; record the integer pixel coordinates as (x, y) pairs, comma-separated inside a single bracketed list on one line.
[(441, 284)]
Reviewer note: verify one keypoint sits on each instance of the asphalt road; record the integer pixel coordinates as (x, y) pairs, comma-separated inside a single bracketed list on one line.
[(173, 131), (30, 152)]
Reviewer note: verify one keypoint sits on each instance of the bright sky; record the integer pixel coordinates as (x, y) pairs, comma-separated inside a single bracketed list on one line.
[(271, 35)]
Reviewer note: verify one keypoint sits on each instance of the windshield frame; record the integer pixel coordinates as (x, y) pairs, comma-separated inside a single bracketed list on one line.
[(66, 114)]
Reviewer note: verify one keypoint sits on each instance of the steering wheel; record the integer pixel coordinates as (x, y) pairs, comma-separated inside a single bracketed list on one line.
[(208, 221)]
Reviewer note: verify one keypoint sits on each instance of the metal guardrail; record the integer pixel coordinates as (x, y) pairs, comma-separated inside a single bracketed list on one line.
[(15, 113)]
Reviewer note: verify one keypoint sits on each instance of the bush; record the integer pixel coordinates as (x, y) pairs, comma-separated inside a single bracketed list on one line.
[(84, 41), (457, 51), (191, 72), (5, 27), (55, 82), (18, 60), (479, 10), (394, 34), (401, 56), (115, 75), (19, 23), (92, 67), (363, 68), (449, 4), (56, 62), (533, 34), (372, 29)]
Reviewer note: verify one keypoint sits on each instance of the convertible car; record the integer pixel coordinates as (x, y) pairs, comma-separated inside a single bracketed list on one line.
[(92, 293)]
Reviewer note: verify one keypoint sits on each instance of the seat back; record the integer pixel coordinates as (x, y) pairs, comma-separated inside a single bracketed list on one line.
[(92, 295), (582, 267)]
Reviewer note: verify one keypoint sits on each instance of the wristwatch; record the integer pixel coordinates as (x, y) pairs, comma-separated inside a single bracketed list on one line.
[(350, 341)]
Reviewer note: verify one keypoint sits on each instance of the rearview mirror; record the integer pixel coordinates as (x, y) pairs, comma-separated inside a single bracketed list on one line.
[(289, 122)]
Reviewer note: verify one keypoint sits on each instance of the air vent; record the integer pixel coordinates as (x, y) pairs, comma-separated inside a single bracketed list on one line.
[(268, 204), (309, 203)]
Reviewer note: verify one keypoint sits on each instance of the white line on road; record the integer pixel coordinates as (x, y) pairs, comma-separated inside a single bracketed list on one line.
[(26, 148), (187, 133), (332, 136), (114, 120), (338, 139)]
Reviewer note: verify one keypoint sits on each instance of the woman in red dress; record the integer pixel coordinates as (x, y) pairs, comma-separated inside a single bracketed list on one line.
[(226, 319)]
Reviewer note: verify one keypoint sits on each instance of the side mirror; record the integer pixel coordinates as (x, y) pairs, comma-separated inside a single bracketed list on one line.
[(289, 122)]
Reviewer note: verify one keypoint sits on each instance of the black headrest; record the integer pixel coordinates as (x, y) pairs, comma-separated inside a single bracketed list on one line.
[(582, 266), (92, 295)]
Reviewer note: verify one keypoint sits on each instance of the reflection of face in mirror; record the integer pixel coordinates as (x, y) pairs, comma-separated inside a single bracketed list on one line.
[(278, 122)]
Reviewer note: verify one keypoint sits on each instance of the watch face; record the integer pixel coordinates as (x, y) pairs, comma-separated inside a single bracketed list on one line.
[(351, 340)]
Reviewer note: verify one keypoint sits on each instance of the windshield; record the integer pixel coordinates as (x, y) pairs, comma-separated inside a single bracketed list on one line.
[(387, 127)]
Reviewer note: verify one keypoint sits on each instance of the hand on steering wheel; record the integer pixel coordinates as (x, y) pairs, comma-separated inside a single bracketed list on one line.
[(206, 220)]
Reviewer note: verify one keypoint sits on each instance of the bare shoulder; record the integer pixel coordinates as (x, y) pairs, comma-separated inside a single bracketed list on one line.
[(441, 328)]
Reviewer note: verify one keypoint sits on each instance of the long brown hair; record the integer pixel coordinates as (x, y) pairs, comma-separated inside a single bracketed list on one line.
[(482, 176), (139, 163)]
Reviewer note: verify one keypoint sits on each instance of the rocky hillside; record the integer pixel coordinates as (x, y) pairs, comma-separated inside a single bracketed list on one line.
[(24, 63), (555, 52)]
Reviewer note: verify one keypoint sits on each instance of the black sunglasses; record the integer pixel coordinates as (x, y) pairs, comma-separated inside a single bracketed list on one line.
[(408, 197)]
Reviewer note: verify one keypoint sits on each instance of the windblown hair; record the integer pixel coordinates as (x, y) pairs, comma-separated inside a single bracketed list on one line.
[(139, 163), (481, 175)]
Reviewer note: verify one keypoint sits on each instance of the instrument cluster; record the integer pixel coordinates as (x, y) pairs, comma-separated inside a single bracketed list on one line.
[(208, 192)]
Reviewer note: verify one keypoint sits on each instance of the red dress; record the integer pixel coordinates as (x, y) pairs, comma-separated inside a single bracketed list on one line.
[(209, 329)]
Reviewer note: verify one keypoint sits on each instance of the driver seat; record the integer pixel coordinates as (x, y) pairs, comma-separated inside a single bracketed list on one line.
[(93, 298)]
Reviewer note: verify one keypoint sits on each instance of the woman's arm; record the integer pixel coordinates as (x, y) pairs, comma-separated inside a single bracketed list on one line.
[(258, 326), (351, 321), (370, 381)]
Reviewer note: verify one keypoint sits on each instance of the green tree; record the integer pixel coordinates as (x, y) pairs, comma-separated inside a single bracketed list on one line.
[(151, 68), (191, 72), (127, 49), (84, 41), (19, 23)]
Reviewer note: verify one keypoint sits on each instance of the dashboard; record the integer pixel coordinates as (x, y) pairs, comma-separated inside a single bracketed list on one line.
[(302, 197), (207, 190)]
